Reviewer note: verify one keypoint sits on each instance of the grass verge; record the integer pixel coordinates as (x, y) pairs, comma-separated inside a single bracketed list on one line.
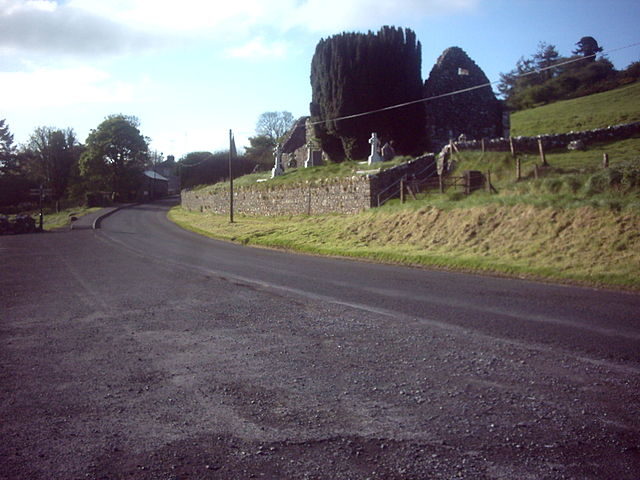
[(586, 245), (62, 219)]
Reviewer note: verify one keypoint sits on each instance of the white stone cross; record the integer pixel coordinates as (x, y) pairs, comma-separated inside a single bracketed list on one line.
[(277, 168), (375, 144), (309, 161)]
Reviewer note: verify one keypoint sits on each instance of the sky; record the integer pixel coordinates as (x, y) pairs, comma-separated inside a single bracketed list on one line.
[(191, 70)]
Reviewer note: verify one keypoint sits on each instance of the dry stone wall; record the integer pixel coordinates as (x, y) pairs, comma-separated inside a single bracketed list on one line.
[(549, 142), (340, 195), (334, 195)]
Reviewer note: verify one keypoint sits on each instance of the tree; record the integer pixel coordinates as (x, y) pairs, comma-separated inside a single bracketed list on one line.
[(7, 148), (546, 56), (51, 154), (261, 151), (14, 185), (517, 86), (354, 73), (115, 155), (588, 47), (205, 168), (274, 124)]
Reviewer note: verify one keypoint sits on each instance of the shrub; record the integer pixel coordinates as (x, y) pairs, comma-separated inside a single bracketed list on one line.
[(630, 174), (604, 180)]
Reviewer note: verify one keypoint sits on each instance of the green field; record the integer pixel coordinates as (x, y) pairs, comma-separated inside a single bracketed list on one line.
[(614, 107)]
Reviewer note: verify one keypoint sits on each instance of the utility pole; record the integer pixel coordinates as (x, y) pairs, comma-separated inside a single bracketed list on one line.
[(231, 150)]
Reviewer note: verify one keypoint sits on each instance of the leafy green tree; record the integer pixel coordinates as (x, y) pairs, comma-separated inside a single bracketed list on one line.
[(50, 157), (260, 151), (116, 153), (274, 124), (354, 73)]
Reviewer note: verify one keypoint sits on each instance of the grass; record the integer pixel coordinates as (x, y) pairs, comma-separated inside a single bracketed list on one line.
[(587, 245), (573, 179), (62, 219), (302, 175), (575, 223), (614, 107)]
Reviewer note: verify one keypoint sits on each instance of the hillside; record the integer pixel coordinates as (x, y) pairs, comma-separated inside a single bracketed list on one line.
[(614, 107), (571, 222)]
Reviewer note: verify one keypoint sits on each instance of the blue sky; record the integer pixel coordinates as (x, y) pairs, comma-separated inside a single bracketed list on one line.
[(191, 70)]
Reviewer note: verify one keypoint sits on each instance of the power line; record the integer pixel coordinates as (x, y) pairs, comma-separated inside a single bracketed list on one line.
[(464, 90)]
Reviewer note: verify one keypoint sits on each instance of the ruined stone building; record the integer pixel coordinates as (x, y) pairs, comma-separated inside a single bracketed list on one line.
[(476, 114)]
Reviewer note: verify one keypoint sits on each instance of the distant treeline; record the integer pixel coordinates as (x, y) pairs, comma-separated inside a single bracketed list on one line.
[(204, 168), (547, 77)]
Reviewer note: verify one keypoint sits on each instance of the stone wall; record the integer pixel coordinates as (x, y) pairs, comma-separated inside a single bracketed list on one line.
[(550, 142), (339, 195), (334, 195)]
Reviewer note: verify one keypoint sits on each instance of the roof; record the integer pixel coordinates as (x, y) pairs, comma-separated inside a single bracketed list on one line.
[(155, 175)]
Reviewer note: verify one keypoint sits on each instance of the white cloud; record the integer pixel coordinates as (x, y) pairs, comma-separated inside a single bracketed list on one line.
[(259, 49), (45, 88), (46, 27), (98, 27)]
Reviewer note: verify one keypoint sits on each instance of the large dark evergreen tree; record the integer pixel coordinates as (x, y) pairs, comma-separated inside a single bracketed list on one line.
[(353, 73)]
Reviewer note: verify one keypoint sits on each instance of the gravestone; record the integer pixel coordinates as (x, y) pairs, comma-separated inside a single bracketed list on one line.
[(277, 169), (375, 145)]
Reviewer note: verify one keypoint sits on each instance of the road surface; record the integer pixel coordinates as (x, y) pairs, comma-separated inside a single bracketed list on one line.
[(144, 351)]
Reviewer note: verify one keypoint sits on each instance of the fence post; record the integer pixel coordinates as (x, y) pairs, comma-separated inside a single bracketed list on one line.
[(535, 171), (511, 147), (605, 160), (489, 181), (441, 183), (402, 190), (518, 169), (482, 143), (542, 155)]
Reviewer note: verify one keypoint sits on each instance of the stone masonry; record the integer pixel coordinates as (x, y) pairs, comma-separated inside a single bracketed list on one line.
[(335, 195), (340, 195)]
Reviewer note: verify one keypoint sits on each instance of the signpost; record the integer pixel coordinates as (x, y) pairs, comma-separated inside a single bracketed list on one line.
[(41, 193)]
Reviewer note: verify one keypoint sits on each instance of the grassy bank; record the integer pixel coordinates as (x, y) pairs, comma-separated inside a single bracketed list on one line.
[(586, 245), (576, 222), (62, 219), (570, 222)]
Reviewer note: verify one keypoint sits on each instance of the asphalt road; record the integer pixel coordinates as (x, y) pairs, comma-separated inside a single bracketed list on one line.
[(143, 351)]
